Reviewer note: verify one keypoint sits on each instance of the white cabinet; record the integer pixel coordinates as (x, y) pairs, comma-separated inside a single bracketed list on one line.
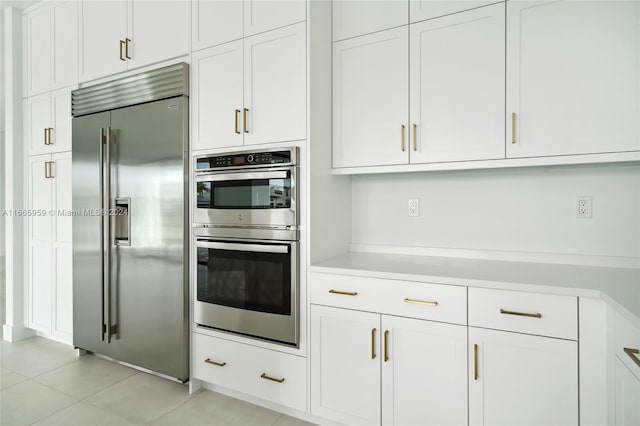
[(457, 86), (367, 368), (51, 47), (572, 77), (371, 99), (627, 372), (47, 122), (424, 374), (345, 368), (519, 379), (119, 35), (250, 91), (50, 269), (353, 18), (220, 21), (371, 364), (452, 109), (428, 9), (271, 375)]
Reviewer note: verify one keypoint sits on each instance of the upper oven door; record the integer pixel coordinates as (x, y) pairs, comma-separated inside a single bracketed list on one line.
[(258, 198)]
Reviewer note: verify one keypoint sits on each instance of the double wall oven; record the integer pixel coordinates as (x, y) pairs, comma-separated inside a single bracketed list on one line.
[(247, 243)]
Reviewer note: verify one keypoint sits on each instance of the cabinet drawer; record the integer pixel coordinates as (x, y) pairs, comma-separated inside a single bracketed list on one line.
[(266, 374), (434, 302), (627, 341), (532, 313)]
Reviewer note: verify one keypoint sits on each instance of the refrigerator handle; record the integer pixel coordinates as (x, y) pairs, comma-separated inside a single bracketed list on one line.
[(107, 237), (103, 327)]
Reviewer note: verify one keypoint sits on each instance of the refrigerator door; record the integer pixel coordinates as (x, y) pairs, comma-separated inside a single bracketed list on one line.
[(148, 236), (89, 317)]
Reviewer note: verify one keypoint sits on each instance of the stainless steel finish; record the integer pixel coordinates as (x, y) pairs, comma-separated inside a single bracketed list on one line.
[(145, 283), (122, 219), (103, 329), (258, 248), (256, 217), (167, 82), (243, 233), (107, 231), (293, 150), (277, 327), (216, 177)]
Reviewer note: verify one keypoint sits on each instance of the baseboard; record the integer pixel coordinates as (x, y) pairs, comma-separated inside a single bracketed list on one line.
[(15, 334)]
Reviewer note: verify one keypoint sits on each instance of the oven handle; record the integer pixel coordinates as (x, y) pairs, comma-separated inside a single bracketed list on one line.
[(215, 177), (262, 248)]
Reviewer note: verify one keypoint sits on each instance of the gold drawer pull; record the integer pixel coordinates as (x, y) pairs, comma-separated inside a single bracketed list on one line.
[(475, 362), (632, 354), (373, 343), (402, 127), (344, 293), (513, 127), (219, 364), (121, 46), (386, 345), (273, 379), (521, 314), (420, 302)]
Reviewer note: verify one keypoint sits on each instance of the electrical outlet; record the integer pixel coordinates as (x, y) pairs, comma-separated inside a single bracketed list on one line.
[(414, 207), (583, 206)]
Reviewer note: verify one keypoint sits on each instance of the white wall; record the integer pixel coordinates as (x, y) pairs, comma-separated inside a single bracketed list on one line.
[(526, 209)]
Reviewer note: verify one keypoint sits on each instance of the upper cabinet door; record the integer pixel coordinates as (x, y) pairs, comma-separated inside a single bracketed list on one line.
[(61, 120), (37, 124), (572, 77), (371, 99), (103, 28), (356, 17), (457, 86), (265, 15), (216, 97), (275, 90), (427, 9), (38, 50), (64, 63), (215, 22), (160, 31)]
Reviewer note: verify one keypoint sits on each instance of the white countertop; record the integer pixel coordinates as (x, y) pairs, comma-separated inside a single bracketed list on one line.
[(620, 287)]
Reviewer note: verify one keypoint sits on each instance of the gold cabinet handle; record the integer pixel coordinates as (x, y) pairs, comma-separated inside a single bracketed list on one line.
[(126, 48), (402, 127), (219, 364), (420, 302), (386, 345), (49, 135), (414, 143), (513, 127), (632, 354), (475, 362), (344, 293), (45, 136), (51, 169), (521, 314), (237, 117), (245, 111), (46, 170), (273, 379), (121, 54), (373, 343)]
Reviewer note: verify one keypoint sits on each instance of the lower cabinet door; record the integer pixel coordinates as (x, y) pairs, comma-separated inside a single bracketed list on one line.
[(424, 372), (627, 396), (519, 379), (345, 365)]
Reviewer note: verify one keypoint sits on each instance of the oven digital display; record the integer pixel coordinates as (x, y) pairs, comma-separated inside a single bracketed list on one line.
[(238, 160)]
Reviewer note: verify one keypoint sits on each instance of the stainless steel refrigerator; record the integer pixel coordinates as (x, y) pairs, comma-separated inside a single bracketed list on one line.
[(130, 186)]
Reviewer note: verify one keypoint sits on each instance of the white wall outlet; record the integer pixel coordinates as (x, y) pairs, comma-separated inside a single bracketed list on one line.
[(583, 206), (414, 207)]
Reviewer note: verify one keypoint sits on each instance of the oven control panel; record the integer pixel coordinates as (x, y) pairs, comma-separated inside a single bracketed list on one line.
[(247, 159)]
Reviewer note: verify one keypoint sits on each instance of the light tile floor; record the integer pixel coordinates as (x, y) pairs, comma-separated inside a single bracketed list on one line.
[(43, 383)]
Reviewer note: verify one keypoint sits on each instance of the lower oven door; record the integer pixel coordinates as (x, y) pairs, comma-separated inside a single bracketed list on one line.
[(248, 287)]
